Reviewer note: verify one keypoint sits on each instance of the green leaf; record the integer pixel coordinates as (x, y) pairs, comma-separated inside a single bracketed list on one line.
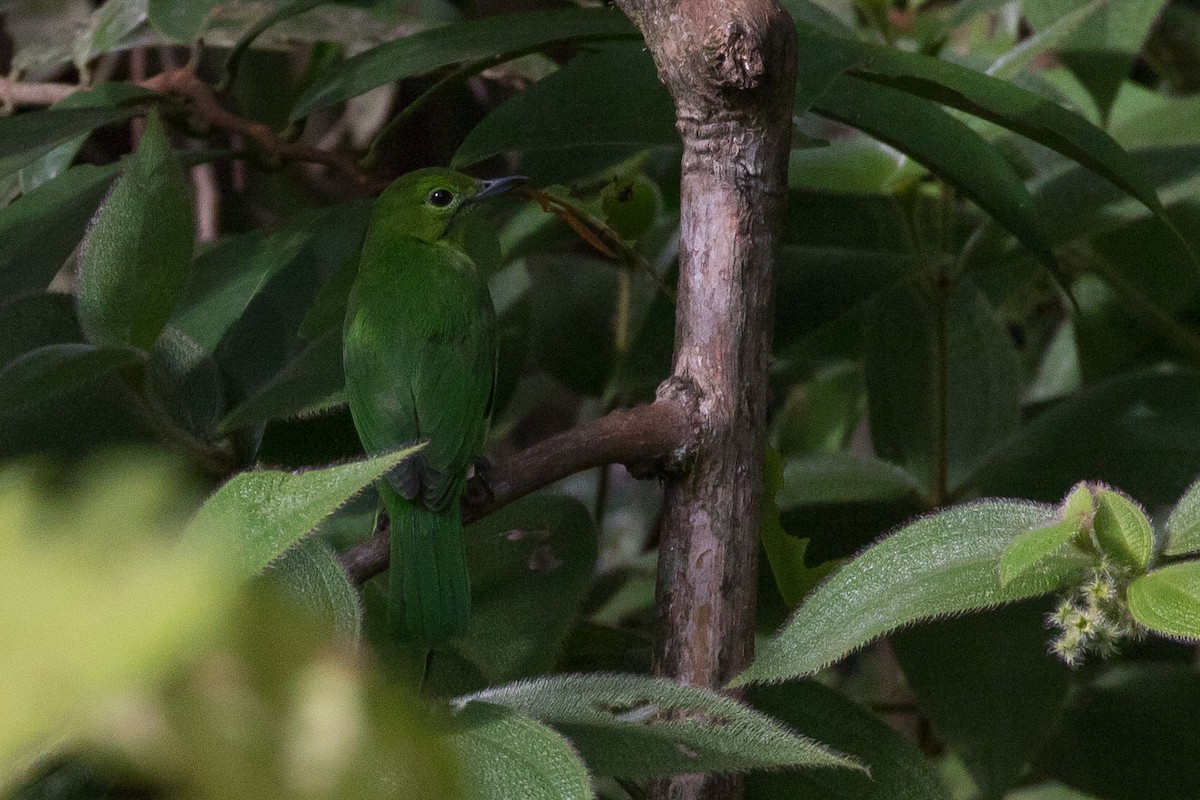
[(40, 230), (634, 725), (943, 382), (1123, 529), (988, 686), (898, 770), (311, 572), (182, 20), (785, 554), (531, 564), (52, 164), (500, 36), (55, 369), (106, 29), (30, 321), (942, 564), (1130, 734), (134, 264), (1167, 601), (1119, 25), (184, 382), (263, 513), (1032, 547), (1139, 431), (1183, 526), (24, 138), (503, 755), (1007, 105), (947, 147), (611, 96), (313, 378), (1050, 37), (841, 477), (232, 274)]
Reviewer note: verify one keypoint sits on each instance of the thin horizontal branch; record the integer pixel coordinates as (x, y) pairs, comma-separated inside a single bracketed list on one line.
[(204, 100), (645, 439), (15, 94)]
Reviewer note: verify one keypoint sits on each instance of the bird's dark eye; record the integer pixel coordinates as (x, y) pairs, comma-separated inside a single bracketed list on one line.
[(441, 198)]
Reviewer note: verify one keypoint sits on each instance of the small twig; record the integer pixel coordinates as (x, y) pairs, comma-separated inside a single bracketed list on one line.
[(18, 93), (184, 82), (638, 438)]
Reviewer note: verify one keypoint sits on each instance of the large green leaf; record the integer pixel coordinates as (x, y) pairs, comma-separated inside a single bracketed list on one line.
[(260, 514), (948, 147), (503, 755), (988, 685), (184, 382), (106, 29), (26, 137), (898, 769), (41, 229), (822, 58), (531, 564), (507, 34), (943, 381), (945, 563), (1167, 601), (608, 97), (135, 260), (42, 374), (634, 725), (1139, 431), (1130, 734)]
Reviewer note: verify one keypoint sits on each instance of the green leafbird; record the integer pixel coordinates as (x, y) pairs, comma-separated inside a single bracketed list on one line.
[(420, 356)]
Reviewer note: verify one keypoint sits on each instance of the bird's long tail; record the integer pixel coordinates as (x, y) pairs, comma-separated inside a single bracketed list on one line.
[(429, 593)]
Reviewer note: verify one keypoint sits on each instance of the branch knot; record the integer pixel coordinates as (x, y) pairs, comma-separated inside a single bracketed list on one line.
[(734, 56)]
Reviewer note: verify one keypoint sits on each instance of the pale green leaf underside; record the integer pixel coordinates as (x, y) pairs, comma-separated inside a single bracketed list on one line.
[(1028, 549), (942, 564), (1167, 601), (261, 514), (503, 755), (1123, 530), (1183, 526), (634, 725)]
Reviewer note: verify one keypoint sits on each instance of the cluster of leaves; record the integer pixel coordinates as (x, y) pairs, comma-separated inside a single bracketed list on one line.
[(987, 287)]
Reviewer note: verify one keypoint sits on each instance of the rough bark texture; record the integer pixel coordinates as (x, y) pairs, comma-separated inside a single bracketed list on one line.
[(730, 66)]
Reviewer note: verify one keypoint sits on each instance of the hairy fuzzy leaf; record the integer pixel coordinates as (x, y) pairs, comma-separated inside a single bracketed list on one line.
[(136, 258), (633, 725), (263, 513), (942, 564), (1167, 600), (503, 754), (1183, 526)]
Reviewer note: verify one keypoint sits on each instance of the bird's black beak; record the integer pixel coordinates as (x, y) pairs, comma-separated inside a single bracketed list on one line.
[(498, 186)]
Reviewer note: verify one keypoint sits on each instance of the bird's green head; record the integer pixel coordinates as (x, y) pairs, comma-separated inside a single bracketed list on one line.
[(428, 203)]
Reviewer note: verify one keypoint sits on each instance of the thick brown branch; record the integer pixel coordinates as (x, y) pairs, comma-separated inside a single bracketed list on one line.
[(646, 439), (204, 101)]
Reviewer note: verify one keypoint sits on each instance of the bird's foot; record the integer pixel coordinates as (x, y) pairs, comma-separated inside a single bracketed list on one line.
[(478, 491)]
